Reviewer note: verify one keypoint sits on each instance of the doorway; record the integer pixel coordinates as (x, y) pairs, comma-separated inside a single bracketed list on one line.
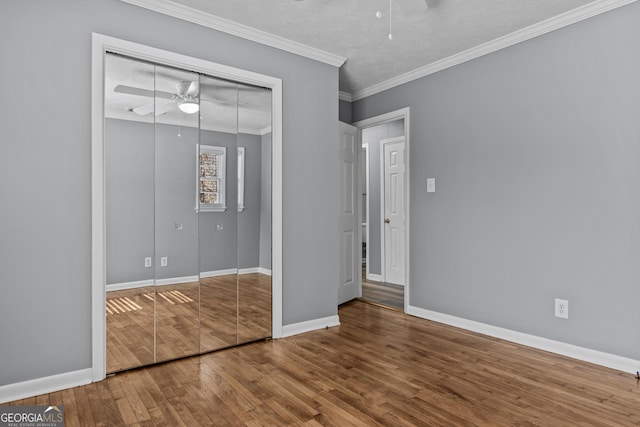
[(384, 202)]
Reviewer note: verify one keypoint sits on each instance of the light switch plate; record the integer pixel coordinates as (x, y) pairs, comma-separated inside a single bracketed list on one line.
[(431, 185)]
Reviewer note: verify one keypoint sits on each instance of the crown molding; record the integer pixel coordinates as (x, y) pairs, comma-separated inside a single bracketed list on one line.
[(189, 14), (555, 23), (345, 96)]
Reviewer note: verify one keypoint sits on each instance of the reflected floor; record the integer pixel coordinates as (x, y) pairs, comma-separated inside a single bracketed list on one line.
[(386, 294), (190, 318), (130, 340)]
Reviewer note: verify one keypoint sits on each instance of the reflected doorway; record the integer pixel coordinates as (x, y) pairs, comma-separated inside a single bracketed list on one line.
[(376, 258)]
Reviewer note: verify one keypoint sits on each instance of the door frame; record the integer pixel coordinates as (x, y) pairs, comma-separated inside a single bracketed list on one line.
[(403, 113), (383, 195), (102, 44)]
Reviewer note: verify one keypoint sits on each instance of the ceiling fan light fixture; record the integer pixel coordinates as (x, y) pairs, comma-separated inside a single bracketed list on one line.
[(189, 105)]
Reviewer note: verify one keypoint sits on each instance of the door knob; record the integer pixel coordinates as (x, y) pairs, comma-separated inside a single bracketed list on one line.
[(387, 220)]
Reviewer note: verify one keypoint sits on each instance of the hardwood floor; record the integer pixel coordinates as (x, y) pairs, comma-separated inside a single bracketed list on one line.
[(380, 367)]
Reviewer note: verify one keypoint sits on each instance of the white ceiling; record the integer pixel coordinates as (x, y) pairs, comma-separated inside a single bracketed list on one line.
[(421, 35)]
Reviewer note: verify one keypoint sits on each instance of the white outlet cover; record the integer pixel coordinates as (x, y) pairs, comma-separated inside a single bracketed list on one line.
[(148, 262), (562, 308), (431, 185), (164, 261)]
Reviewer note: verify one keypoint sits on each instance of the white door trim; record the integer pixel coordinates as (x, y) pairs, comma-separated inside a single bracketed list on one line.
[(102, 44), (403, 113)]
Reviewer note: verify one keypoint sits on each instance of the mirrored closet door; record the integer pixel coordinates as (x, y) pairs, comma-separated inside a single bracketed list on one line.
[(188, 213)]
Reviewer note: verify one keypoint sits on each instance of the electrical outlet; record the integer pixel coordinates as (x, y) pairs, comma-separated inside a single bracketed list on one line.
[(164, 261), (147, 262), (562, 308)]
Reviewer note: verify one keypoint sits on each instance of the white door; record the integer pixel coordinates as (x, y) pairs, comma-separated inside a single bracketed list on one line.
[(350, 274), (394, 211)]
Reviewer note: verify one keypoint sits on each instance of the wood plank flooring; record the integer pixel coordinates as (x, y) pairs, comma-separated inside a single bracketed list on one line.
[(380, 367)]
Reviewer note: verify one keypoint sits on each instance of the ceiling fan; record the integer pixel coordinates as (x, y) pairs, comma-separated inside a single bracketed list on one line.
[(186, 98)]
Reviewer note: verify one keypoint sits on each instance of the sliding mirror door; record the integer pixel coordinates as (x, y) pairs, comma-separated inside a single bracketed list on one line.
[(177, 288), (129, 146), (188, 213), (254, 213), (218, 208)]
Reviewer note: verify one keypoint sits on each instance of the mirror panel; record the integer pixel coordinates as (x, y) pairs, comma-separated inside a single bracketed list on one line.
[(188, 213), (218, 214), (129, 205), (254, 216), (176, 219)]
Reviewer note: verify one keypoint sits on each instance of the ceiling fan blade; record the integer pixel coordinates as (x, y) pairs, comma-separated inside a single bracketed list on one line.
[(130, 90), (164, 108), (193, 89), (145, 109), (149, 108)]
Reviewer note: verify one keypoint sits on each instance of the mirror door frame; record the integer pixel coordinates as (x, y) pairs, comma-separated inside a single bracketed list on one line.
[(100, 45)]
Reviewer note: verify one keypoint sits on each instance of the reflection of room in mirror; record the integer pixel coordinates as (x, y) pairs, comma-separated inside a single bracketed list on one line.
[(188, 213), (130, 328), (254, 311), (218, 312), (177, 321)]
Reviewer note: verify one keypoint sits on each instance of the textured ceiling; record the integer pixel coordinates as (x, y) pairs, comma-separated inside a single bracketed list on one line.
[(421, 35)]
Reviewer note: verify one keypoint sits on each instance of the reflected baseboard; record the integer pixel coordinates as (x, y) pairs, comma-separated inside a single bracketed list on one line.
[(251, 270), (129, 285), (176, 280), (186, 279), (217, 273)]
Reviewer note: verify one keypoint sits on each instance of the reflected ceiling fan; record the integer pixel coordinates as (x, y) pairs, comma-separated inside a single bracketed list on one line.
[(186, 98)]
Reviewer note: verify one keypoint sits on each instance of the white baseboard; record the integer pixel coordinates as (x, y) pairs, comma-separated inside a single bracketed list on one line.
[(31, 388), (265, 271), (176, 280), (580, 353), (374, 277), (186, 279), (251, 270), (310, 325), (129, 285), (216, 273)]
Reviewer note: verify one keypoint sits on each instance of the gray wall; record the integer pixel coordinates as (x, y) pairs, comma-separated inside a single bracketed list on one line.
[(344, 111), (249, 220), (535, 150), (45, 171), (219, 248), (129, 187), (175, 182), (373, 136), (131, 213)]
